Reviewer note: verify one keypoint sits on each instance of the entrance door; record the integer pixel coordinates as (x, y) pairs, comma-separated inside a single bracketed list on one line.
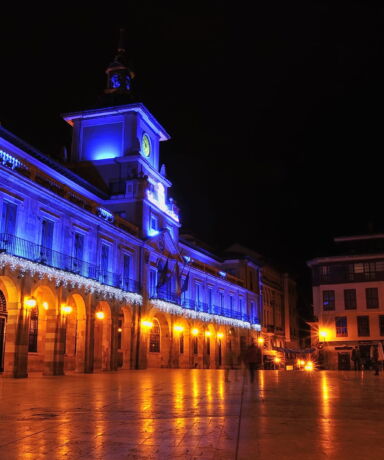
[(344, 362), (2, 341)]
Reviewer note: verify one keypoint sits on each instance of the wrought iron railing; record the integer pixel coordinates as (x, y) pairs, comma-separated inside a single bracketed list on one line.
[(19, 247), (198, 306)]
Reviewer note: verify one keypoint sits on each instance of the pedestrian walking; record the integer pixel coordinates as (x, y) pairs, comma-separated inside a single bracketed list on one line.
[(253, 359), (356, 358), (230, 360)]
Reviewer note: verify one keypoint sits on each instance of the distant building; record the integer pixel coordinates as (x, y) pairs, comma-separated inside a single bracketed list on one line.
[(348, 300)]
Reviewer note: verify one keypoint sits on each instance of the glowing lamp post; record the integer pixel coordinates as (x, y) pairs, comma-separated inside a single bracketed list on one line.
[(207, 334), (66, 309), (195, 332), (323, 334), (45, 305), (30, 302), (178, 328), (220, 335), (260, 340), (100, 315), (147, 324), (308, 366)]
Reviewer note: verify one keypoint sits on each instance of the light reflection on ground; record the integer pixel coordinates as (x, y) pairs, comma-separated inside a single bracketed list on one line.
[(191, 414)]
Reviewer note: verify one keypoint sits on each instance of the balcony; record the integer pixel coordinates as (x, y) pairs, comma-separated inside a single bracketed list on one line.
[(199, 306), (18, 247)]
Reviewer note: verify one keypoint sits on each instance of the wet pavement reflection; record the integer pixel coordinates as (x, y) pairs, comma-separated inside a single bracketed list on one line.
[(193, 414)]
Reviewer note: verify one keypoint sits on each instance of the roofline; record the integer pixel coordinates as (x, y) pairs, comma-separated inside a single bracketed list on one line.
[(50, 162), (343, 258), (339, 239), (114, 110)]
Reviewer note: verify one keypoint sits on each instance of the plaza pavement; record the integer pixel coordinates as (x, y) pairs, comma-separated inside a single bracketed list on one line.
[(193, 414)]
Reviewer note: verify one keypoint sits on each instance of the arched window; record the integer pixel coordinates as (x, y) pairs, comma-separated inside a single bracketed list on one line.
[(33, 330), (154, 337), (3, 319), (3, 303)]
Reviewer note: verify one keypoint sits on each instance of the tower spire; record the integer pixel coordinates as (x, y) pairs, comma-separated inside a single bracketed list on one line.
[(119, 74)]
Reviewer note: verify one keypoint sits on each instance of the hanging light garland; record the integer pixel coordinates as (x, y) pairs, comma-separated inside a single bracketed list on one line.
[(68, 279), (207, 317)]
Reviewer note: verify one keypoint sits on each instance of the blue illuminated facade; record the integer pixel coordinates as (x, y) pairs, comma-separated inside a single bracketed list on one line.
[(81, 250)]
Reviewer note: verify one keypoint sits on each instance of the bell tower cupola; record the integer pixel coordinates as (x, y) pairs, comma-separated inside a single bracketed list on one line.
[(119, 74)]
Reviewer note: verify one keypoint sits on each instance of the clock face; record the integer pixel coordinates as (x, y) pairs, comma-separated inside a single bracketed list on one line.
[(146, 145)]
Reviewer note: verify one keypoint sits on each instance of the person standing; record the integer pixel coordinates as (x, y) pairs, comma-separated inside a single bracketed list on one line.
[(229, 360), (253, 359), (356, 358)]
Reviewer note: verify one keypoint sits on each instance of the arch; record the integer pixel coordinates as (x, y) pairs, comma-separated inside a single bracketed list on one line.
[(13, 342), (102, 338), (42, 319), (75, 334), (124, 338), (3, 321), (159, 358), (209, 346)]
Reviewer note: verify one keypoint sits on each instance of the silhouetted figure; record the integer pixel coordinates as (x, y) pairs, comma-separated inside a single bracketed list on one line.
[(356, 358), (253, 359)]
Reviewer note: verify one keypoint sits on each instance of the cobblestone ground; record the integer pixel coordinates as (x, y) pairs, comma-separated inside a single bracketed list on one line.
[(193, 414)]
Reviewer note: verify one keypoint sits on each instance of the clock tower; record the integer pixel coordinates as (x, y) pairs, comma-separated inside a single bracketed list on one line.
[(120, 144)]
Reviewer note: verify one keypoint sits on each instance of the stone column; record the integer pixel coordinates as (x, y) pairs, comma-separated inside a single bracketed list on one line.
[(89, 334), (54, 339)]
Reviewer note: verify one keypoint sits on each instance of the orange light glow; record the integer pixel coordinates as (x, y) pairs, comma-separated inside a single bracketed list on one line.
[(119, 329), (220, 335), (195, 331), (207, 334), (178, 328), (260, 340), (66, 309), (100, 315), (308, 366), (323, 333), (147, 324), (30, 302), (45, 305), (277, 360)]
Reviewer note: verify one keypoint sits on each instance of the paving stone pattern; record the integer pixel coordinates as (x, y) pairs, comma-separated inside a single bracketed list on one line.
[(193, 414)]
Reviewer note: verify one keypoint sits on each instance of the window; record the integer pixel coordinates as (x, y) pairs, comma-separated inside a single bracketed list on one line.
[(350, 299), (198, 294), (324, 272), (341, 326), (154, 222), (328, 300), (154, 337), (240, 304), (152, 283), (78, 249), (381, 324), (372, 297), (231, 302), (46, 241), (221, 297), (33, 330), (363, 326), (209, 296), (8, 219), (126, 271)]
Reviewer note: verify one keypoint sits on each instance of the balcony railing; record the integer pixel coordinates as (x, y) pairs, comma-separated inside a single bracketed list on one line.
[(199, 306), (15, 246)]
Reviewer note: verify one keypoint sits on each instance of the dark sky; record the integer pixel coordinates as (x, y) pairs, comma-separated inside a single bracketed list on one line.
[(275, 114)]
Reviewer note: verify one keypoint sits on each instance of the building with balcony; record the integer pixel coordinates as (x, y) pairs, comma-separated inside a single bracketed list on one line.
[(348, 300), (94, 275)]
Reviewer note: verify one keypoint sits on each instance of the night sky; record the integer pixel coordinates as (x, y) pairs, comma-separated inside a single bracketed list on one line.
[(275, 114)]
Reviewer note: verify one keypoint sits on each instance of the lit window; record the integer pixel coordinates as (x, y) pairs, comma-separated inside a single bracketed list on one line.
[(154, 337)]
